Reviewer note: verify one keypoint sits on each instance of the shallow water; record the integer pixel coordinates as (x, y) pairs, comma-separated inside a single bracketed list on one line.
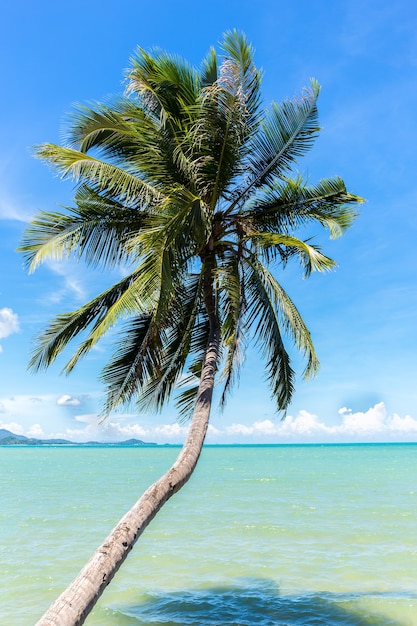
[(287, 535)]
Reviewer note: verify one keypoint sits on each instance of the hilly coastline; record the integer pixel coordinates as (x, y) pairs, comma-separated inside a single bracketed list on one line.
[(8, 438)]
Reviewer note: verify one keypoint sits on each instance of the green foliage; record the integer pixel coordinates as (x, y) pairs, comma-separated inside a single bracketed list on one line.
[(187, 179)]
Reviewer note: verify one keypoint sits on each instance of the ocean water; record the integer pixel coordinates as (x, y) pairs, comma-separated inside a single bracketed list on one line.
[(286, 535)]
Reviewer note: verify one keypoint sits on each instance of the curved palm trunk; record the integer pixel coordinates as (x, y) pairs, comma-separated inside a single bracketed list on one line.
[(76, 602)]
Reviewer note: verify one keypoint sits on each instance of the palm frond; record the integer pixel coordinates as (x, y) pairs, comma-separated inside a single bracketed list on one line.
[(214, 138), (241, 52), (96, 229), (104, 176), (231, 285), (225, 117), (135, 360), (178, 337), (156, 366), (286, 206), (263, 318), (287, 313), (312, 259), (111, 127), (66, 326), (185, 400), (165, 82), (286, 134), (209, 69)]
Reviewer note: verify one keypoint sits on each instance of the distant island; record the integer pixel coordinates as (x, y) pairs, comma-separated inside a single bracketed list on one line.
[(8, 438)]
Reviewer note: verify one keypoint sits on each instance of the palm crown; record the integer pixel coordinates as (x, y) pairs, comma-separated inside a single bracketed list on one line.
[(187, 179)]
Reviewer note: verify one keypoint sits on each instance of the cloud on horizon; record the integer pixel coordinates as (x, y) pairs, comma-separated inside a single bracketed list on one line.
[(373, 425)]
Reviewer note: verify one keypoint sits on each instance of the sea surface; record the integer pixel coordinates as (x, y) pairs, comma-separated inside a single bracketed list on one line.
[(286, 535)]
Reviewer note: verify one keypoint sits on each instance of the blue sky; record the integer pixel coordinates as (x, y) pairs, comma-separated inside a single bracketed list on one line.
[(363, 316)]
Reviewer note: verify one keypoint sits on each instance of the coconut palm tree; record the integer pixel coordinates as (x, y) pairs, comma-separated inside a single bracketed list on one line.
[(186, 179)]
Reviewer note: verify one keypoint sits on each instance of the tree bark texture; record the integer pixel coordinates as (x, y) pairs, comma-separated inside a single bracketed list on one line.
[(76, 602)]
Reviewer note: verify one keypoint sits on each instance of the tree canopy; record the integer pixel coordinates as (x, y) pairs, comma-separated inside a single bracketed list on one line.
[(188, 180)]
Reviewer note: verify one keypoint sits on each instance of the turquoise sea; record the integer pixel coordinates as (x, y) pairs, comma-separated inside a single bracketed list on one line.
[(265, 535)]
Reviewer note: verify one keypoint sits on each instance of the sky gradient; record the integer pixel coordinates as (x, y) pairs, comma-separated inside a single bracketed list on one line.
[(362, 316)]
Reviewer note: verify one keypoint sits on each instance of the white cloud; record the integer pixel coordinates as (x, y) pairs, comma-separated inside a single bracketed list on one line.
[(9, 323), (110, 431), (105, 432), (170, 432), (373, 421), (373, 425), (35, 431), (14, 427), (213, 431), (406, 424), (66, 400), (344, 410), (305, 424)]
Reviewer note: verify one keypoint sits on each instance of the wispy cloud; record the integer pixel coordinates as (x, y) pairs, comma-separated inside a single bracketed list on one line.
[(29, 409), (11, 210), (71, 282)]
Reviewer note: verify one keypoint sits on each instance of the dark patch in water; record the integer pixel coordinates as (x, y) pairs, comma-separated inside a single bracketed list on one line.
[(253, 602)]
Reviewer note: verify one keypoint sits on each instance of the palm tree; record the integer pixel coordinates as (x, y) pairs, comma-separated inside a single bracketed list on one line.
[(187, 180)]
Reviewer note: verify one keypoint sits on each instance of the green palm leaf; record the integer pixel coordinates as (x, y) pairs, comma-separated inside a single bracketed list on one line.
[(290, 320), (97, 229), (209, 69), (241, 53), (285, 206), (310, 256), (286, 134), (178, 339), (104, 176), (67, 326), (232, 306), (166, 84), (263, 317), (136, 359), (112, 128)]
